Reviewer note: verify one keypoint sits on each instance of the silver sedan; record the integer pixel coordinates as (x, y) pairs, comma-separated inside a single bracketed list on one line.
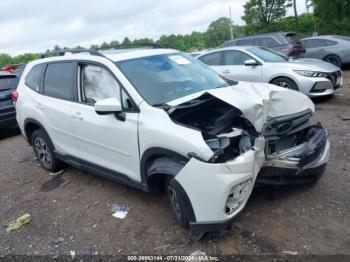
[(313, 77)]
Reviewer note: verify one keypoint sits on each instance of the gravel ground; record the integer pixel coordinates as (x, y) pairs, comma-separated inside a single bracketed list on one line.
[(71, 211)]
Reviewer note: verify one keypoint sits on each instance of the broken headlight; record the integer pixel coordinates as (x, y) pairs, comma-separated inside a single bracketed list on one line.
[(226, 148)]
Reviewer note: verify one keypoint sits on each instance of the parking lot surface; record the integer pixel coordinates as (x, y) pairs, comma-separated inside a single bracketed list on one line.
[(72, 211)]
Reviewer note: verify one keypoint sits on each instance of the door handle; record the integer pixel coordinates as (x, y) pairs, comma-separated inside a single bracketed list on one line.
[(78, 116), (226, 71), (39, 106)]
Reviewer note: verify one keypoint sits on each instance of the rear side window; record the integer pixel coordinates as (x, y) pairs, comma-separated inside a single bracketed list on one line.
[(59, 80), (33, 79), (249, 41), (266, 41), (313, 43), (330, 42), (211, 59)]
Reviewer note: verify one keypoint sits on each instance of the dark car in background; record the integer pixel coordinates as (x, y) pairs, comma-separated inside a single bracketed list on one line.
[(334, 49), (8, 84), (284, 42)]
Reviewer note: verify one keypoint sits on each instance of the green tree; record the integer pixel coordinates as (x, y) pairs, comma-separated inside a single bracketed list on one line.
[(259, 15), (333, 16), (104, 45), (218, 32), (126, 41)]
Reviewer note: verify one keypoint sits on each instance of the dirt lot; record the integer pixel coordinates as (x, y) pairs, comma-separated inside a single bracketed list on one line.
[(72, 211)]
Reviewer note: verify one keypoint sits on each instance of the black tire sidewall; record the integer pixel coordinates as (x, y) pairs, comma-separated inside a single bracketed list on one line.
[(184, 219)]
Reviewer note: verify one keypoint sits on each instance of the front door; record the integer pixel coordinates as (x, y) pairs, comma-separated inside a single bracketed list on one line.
[(233, 67), (104, 140)]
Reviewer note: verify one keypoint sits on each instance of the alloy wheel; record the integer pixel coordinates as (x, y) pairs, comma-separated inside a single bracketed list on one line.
[(42, 152)]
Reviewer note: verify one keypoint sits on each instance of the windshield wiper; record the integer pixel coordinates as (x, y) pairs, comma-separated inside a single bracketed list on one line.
[(162, 105)]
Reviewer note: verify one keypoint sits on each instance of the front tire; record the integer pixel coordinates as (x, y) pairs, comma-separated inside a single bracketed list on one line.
[(179, 203), (285, 83), (44, 151)]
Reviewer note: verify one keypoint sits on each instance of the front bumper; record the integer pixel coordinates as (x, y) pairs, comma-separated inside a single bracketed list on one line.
[(7, 115), (317, 87), (209, 185)]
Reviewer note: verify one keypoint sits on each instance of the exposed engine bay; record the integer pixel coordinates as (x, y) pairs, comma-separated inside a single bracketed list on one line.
[(228, 133), (223, 126)]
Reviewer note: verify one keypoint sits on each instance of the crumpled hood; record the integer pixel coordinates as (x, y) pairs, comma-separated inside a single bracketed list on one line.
[(258, 101)]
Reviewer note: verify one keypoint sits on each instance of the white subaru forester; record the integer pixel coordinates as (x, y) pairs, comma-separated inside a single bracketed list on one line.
[(152, 117)]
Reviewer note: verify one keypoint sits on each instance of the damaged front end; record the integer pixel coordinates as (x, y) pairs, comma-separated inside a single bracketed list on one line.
[(224, 129), (258, 134), (296, 150)]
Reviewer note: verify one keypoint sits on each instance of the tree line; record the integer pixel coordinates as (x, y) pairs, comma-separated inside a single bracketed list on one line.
[(322, 16)]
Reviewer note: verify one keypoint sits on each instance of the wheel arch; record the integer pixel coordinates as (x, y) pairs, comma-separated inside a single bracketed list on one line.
[(31, 125), (157, 162), (332, 54)]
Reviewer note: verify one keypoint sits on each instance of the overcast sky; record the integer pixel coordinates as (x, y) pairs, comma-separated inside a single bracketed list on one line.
[(36, 25)]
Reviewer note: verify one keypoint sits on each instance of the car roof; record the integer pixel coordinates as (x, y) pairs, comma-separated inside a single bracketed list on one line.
[(114, 55), (320, 37), (238, 47), (132, 53)]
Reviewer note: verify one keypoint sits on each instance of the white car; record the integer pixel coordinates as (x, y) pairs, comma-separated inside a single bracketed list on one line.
[(145, 117), (312, 77)]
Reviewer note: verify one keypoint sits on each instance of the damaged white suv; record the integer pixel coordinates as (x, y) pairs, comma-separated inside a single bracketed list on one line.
[(151, 117)]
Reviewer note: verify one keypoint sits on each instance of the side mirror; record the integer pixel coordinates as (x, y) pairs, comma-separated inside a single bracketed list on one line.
[(110, 106), (251, 62)]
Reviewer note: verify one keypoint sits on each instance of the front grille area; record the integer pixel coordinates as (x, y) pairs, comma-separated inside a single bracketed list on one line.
[(286, 132), (333, 78)]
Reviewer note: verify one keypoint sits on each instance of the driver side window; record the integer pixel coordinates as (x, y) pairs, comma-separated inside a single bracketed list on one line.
[(233, 57), (97, 84)]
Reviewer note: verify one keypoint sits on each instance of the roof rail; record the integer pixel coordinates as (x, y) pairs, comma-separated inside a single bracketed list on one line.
[(131, 46), (73, 51)]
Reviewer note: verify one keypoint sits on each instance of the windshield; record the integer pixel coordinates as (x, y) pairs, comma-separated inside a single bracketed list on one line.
[(268, 55), (163, 78), (8, 82)]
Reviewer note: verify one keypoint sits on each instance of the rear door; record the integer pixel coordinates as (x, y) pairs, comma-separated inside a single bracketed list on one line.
[(59, 87), (104, 140)]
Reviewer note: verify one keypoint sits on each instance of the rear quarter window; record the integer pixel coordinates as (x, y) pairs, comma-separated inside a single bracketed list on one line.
[(34, 77), (59, 80)]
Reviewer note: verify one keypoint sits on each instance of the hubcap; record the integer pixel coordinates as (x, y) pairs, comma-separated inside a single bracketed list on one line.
[(42, 152), (174, 201), (284, 85)]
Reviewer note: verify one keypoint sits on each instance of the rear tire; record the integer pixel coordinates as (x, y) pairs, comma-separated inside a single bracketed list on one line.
[(44, 151), (179, 202), (333, 59), (285, 83)]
